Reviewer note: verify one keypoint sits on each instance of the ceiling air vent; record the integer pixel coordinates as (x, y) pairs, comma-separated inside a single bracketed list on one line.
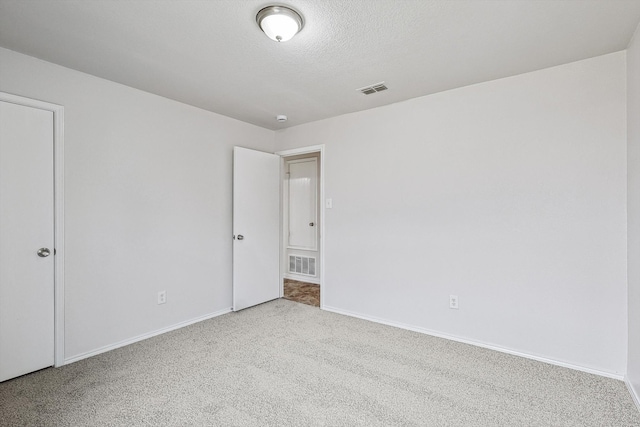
[(368, 90)]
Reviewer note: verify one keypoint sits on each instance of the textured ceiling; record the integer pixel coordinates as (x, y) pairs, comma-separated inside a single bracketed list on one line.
[(212, 55)]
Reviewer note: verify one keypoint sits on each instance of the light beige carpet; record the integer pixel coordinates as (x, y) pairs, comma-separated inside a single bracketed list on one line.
[(289, 364)]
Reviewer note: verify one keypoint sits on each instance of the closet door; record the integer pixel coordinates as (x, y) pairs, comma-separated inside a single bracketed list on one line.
[(26, 240)]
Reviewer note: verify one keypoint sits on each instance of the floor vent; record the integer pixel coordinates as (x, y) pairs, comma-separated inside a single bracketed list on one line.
[(368, 90), (302, 265)]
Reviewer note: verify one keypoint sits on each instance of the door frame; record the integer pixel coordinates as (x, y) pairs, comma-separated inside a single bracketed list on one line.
[(312, 149), (58, 214)]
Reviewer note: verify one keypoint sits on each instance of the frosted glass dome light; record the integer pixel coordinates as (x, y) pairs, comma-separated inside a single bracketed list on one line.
[(279, 23)]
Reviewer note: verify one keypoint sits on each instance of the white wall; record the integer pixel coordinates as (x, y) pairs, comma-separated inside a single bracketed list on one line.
[(633, 210), (147, 203), (510, 194)]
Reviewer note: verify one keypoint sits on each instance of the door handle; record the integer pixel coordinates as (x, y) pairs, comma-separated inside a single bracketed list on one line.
[(44, 252), (240, 237), (311, 224)]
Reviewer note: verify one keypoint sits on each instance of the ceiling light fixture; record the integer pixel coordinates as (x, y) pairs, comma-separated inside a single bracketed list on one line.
[(279, 23)]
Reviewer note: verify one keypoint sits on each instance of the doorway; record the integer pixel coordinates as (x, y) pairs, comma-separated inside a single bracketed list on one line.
[(302, 225), (260, 247), (31, 214)]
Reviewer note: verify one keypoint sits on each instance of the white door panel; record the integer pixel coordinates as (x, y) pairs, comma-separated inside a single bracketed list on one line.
[(26, 224), (302, 204), (256, 224)]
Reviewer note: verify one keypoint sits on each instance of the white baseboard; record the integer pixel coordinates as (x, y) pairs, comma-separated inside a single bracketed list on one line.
[(476, 343), (307, 279), (633, 392), (145, 336)]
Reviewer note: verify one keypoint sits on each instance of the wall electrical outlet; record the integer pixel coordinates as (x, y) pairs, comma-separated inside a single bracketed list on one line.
[(453, 301), (162, 297)]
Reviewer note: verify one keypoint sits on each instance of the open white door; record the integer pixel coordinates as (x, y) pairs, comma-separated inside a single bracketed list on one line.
[(26, 240), (256, 227)]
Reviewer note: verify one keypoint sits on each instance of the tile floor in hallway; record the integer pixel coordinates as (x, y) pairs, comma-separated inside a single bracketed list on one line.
[(303, 292)]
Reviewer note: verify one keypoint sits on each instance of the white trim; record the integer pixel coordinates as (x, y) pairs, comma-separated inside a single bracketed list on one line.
[(301, 249), (309, 150), (634, 394), (303, 150), (145, 336), (307, 279), (472, 342), (58, 200)]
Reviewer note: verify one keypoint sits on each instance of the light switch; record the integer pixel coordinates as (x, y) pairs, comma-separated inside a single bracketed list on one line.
[(328, 204)]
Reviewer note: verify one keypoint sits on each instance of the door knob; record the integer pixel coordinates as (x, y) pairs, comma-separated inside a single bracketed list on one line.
[(240, 237), (44, 252), (311, 224)]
